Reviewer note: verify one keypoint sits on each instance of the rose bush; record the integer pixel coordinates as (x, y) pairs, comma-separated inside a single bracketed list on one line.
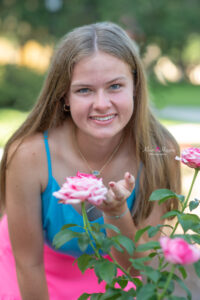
[(82, 187), (158, 282), (190, 157), (178, 251)]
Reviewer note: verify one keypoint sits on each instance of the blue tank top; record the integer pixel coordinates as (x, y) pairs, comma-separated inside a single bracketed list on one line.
[(55, 215)]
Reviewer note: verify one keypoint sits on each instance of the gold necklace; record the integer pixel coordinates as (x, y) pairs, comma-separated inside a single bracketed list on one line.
[(98, 172)]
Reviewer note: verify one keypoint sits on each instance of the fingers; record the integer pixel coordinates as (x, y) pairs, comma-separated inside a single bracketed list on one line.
[(121, 190), (129, 181), (118, 191)]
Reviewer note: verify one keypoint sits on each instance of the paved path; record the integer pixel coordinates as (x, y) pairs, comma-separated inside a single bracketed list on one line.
[(184, 113), (187, 133)]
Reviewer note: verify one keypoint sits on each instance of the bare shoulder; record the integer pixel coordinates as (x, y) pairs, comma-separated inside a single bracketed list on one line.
[(29, 150), (27, 156)]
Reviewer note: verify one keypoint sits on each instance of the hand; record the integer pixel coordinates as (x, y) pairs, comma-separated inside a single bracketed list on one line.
[(118, 192)]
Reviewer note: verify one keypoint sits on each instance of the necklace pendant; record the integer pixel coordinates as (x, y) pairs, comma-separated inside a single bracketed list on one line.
[(95, 173)]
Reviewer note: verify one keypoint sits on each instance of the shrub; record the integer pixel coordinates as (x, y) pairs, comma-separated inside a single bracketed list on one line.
[(19, 87)]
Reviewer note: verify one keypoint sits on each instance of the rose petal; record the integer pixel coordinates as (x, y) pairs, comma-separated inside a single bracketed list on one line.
[(178, 251), (80, 188)]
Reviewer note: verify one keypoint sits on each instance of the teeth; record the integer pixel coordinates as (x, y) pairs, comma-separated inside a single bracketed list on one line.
[(103, 118)]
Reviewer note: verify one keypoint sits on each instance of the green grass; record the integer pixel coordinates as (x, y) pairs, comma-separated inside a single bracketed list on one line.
[(174, 94), (166, 122), (10, 120)]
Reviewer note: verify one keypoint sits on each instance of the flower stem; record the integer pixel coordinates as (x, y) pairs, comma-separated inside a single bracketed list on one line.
[(130, 278), (160, 297), (88, 226), (187, 199), (190, 190)]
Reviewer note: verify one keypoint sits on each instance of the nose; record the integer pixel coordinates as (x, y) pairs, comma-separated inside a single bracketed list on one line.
[(101, 101)]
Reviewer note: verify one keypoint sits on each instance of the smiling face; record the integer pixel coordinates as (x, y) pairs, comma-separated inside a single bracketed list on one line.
[(101, 96)]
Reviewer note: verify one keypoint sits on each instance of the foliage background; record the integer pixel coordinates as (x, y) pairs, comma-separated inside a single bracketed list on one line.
[(167, 33)]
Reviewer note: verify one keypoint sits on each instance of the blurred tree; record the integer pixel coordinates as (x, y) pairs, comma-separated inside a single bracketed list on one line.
[(169, 24)]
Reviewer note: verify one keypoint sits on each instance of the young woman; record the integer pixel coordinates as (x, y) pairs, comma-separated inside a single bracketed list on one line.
[(92, 116)]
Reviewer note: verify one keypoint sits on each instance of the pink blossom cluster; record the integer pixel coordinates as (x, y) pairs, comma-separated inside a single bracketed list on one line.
[(190, 157), (81, 187), (178, 251)]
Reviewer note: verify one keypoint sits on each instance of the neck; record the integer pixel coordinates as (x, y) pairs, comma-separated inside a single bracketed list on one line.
[(98, 152)]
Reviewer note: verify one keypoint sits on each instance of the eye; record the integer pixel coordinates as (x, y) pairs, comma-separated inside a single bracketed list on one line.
[(83, 91), (115, 86)]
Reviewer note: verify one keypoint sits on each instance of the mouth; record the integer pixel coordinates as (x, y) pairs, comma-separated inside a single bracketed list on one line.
[(103, 118)]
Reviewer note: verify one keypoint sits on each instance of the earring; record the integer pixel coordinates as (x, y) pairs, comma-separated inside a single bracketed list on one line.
[(66, 108)]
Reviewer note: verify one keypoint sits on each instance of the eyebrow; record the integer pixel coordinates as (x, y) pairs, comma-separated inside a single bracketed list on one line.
[(77, 84)]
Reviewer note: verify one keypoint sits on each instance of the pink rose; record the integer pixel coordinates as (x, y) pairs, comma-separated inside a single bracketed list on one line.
[(82, 187), (178, 251), (190, 157)]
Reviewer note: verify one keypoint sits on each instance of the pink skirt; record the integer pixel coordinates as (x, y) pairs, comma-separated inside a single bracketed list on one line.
[(65, 280)]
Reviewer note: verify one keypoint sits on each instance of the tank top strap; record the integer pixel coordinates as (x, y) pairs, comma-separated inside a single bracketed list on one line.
[(46, 143)]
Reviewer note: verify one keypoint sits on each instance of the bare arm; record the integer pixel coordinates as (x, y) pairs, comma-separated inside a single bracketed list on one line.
[(23, 207)]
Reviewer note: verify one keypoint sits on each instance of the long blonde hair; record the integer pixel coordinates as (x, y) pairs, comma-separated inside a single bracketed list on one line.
[(145, 130)]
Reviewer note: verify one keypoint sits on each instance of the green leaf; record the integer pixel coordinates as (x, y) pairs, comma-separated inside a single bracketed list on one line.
[(130, 294), (116, 244), (83, 242), (140, 232), (83, 262), (96, 296), (146, 292), (152, 254), (99, 238), (171, 213), (194, 204), (195, 238), (139, 263), (162, 282), (137, 282), (162, 195), (95, 226), (185, 237), (154, 230), (118, 294), (175, 298), (106, 245), (63, 237), (84, 296), (141, 259), (112, 294), (197, 268), (152, 274), (69, 225), (127, 243), (189, 221), (148, 246), (110, 226), (183, 286), (183, 271), (181, 198), (105, 270), (122, 281)]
